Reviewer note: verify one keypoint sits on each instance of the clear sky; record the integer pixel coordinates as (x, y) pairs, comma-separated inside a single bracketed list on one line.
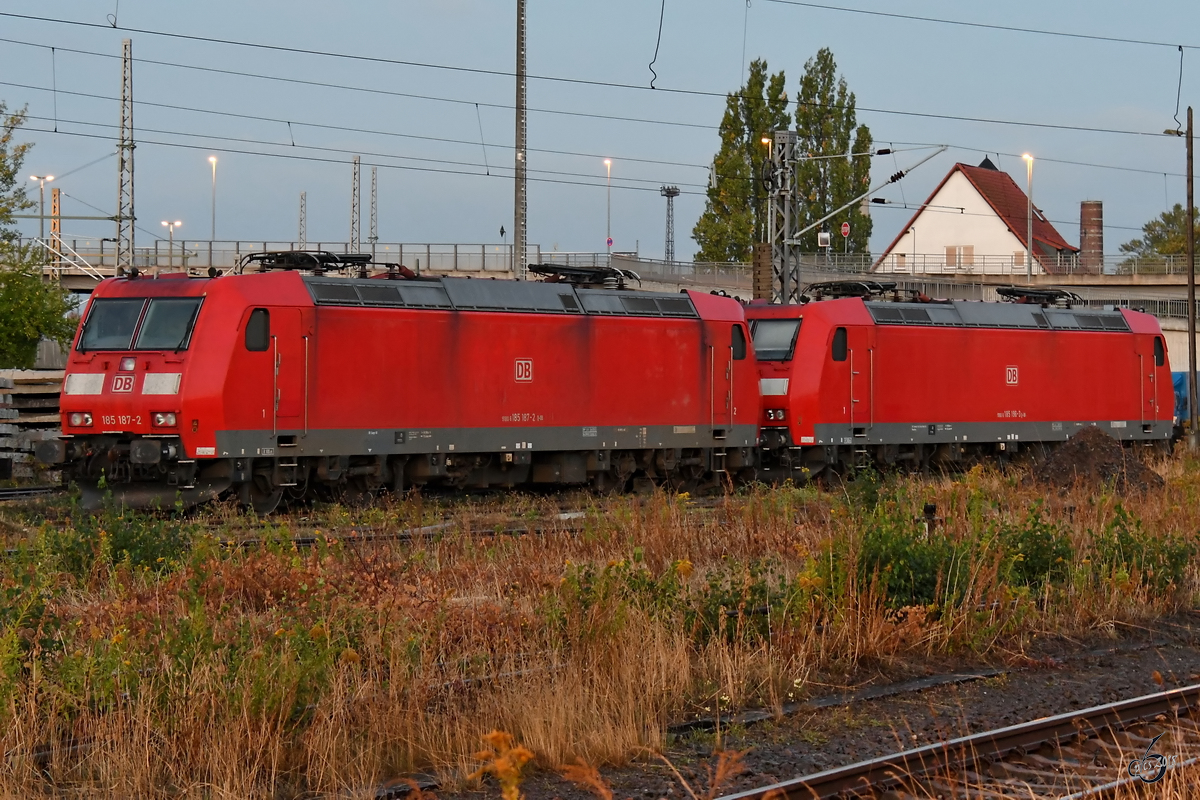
[(434, 184)]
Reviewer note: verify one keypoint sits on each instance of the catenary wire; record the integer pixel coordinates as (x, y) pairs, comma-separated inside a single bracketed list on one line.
[(985, 25), (579, 81), (318, 159), (320, 148), (367, 90), (891, 204), (295, 156), (351, 129), (968, 149), (104, 157)]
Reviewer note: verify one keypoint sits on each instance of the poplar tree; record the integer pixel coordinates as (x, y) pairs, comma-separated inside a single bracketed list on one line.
[(838, 168), (735, 214)]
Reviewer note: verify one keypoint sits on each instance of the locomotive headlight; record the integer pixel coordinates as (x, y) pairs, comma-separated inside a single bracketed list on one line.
[(164, 419), (80, 419), (775, 414), (128, 364)]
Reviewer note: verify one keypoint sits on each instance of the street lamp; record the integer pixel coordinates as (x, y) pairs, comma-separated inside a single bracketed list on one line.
[(1029, 229), (171, 226), (608, 227), (41, 179), (213, 160)]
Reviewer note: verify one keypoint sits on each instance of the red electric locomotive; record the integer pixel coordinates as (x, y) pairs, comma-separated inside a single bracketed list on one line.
[(281, 381), (852, 381)]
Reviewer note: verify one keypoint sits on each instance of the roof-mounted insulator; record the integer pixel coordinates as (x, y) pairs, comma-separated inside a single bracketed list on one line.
[(1042, 297), (318, 262), (586, 277), (837, 289)]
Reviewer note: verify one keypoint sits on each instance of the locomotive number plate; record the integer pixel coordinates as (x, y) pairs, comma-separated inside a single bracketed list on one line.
[(120, 419), (122, 384)]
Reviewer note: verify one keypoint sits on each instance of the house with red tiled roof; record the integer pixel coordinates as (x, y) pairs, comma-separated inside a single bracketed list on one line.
[(975, 222)]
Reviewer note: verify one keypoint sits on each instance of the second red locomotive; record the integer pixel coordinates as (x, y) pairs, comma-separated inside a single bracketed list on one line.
[(853, 381)]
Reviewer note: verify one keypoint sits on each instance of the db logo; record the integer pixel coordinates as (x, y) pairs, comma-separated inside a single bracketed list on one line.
[(1010, 376), (524, 370), (122, 383)]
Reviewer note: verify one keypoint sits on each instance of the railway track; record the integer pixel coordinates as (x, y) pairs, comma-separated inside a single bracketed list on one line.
[(27, 492), (1091, 753)]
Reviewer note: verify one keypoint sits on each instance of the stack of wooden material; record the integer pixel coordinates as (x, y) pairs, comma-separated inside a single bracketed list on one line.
[(28, 415)]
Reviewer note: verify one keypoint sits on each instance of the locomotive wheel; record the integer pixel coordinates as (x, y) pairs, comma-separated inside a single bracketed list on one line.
[(686, 478), (261, 496), (359, 492)]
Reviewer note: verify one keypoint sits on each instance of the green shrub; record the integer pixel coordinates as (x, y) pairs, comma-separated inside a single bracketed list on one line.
[(1125, 550), (1037, 551)]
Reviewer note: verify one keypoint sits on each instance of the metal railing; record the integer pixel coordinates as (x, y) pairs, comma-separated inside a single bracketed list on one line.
[(1014, 264), (98, 256)]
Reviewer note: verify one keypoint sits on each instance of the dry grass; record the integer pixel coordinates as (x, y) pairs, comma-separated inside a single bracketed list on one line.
[(140, 658)]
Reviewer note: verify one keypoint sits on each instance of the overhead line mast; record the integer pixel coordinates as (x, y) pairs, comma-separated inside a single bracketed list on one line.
[(125, 215), (520, 204), (373, 235), (354, 212)]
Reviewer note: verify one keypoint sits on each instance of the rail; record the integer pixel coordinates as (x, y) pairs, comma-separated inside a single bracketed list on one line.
[(876, 776), (27, 492)]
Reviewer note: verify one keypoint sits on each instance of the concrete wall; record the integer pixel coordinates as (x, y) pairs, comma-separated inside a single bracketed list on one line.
[(1175, 335)]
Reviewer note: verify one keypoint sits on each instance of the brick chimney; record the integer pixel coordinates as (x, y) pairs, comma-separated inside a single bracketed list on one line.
[(1091, 236)]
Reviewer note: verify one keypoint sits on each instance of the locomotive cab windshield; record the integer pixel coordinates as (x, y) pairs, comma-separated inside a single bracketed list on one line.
[(160, 323), (775, 339)]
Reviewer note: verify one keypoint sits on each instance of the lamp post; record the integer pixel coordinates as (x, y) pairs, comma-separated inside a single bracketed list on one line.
[(608, 226), (171, 226), (1029, 211), (41, 179), (213, 160)]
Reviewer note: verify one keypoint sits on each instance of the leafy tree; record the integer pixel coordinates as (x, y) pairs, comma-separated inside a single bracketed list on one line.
[(838, 169), (735, 215), (30, 307), (1164, 236)]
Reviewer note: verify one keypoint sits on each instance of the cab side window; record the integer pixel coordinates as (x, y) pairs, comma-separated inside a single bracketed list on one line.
[(258, 331), (1160, 353), (739, 343), (839, 344)]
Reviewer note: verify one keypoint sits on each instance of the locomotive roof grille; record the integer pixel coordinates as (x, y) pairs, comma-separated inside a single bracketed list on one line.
[(967, 314), (460, 294)]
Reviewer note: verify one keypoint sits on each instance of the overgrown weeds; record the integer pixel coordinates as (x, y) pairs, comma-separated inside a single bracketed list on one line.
[(141, 655)]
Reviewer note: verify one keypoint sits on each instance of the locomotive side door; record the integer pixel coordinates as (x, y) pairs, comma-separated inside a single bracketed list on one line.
[(1150, 360), (289, 346), (854, 345), (720, 366)]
